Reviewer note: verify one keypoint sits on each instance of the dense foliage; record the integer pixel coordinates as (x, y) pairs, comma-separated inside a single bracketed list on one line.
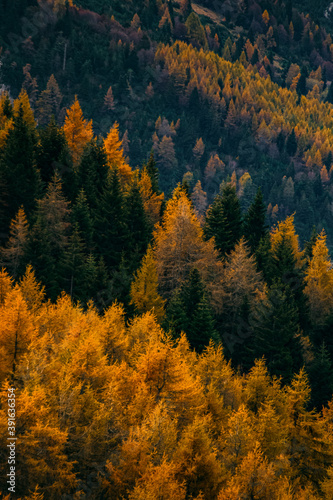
[(166, 221)]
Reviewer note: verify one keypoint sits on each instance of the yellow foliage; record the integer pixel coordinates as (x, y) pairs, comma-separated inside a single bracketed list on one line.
[(115, 154), (23, 102), (78, 131), (286, 229), (151, 201), (319, 281), (144, 289)]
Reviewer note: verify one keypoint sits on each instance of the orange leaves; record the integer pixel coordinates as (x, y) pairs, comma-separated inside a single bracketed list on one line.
[(78, 131), (115, 153)]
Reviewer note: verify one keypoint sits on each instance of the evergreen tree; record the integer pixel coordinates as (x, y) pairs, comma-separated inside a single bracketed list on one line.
[(275, 333), (92, 173), (21, 176), (189, 311), (110, 222), (49, 238), (321, 377), (152, 171), (224, 220), (291, 144), (53, 154), (81, 217), (255, 227), (137, 226)]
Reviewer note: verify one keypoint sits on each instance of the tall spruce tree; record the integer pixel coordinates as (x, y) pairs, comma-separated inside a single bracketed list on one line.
[(255, 227), (224, 220), (110, 222), (276, 331), (189, 311), (18, 167)]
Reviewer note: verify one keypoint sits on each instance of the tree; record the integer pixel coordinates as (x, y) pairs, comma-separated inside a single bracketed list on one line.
[(255, 227), (291, 144), (16, 331), (180, 247), (48, 239), (78, 131), (276, 332), (14, 254), (110, 223), (83, 220), (195, 30), (18, 165), (319, 281), (189, 311), (53, 153), (115, 154), (92, 173), (224, 220), (49, 102), (152, 171), (137, 223), (144, 288)]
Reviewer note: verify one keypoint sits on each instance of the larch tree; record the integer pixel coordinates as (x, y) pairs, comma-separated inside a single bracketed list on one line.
[(78, 131), (319, 281), (115, 154), (13, 255), (144, 288), (180, 247)]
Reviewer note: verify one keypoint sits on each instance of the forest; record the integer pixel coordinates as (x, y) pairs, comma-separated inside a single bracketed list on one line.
[(166, 229)]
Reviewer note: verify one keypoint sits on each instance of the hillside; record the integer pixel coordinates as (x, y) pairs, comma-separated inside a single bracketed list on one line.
[(166, 237)]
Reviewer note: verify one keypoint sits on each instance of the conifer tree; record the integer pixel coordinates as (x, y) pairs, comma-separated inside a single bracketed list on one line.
[(13, 256), (138, 226), (110, 222), (152, 171), (144, 288), (78, 131), (276, 332), (291, 143), (224, 220), (255, 227), (53, 153), (92, 173), (82, 218), (18, 166), (49, 237), (189, 311)]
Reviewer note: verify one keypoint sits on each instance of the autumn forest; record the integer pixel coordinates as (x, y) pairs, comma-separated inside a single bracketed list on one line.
[(166, 239)]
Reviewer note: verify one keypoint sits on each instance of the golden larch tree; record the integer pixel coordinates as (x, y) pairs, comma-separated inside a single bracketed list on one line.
[(78, 131), (115, 154)]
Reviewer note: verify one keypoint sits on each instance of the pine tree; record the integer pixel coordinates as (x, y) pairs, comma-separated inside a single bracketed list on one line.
[(321, 377), (276, 332), (110, 223), (255, 227), (224, 220), (152, 171), (18, 166), (92, 173), (137, 224), (49, 238), (53, 154), (81, 217), (291, 143), (189, 311)]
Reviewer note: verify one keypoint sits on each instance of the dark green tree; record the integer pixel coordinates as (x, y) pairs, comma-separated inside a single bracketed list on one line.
[(81, 216), (137, 226), (189, 311), (18, 167), (53, 154), (224, 220), (276, 331), (111, 233), (152, 171), (93, 173), (321, 377), (255, 227), (291, 144)]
